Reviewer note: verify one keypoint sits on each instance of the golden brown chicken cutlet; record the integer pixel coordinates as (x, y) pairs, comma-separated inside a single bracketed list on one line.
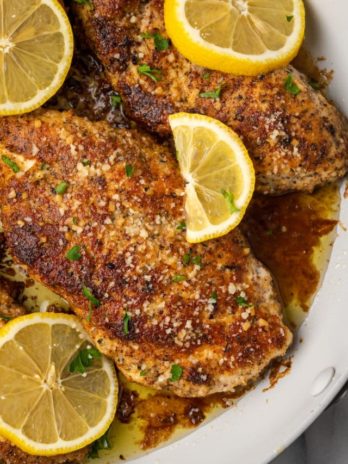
[(192, 319), (297, 142), (10, 454)]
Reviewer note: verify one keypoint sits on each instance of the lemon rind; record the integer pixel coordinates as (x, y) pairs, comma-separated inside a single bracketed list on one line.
[(227, 134), (11, 108), (189, 43), (61, 446)]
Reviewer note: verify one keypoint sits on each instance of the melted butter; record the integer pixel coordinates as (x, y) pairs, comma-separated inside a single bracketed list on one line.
[(293, 236)]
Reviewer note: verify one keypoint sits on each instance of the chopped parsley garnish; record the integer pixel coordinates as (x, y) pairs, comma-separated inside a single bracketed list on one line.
[(197, 260), (86, 162), (181, 226), (179, 278), (11, 164), (84, 359), (206, 75), (291, 86), (61, 188), (289, 18), (44, 166), (143, 372), (75, 221), (213, 297), (89, 295), (161, 43), (242, 302), (74, 254), (176, 373), (229, 197), (83, 2), (189, 259), (152, 73), (5, 318), (103, 443), (129, 170), (126, 320), (115, 100), (214, 94)]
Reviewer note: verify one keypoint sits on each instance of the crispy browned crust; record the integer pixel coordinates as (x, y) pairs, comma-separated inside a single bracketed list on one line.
[(10, 454), (9, 293), (296, 142), (131, 250)]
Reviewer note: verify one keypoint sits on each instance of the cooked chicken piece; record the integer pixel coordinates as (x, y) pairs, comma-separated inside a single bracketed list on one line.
[(194, 319), (10, 454), (9, 293), (297, 142)]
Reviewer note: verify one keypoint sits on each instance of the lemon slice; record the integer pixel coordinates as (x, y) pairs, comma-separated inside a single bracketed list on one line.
[(218, 172), (236, 36), (49, 404), (36, 48)]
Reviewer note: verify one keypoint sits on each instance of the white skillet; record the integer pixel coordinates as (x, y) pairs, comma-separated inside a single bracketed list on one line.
[(263, 424)]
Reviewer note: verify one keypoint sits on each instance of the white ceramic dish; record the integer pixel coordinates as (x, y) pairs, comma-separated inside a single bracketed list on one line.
[(263, 424)]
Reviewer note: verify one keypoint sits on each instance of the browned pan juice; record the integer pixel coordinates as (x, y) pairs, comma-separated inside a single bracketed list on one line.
[(292, 235)]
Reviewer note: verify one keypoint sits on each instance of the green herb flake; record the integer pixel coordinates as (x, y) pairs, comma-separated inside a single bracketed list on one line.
[(129, 170), (186, 259), (61, 188), (5, 318), (74, 254), (179, 278), (181, 226), (289, 18), (242, 302), (86, 162), (11, 164), (143, 372), (213, 297), (84, 359), (229, 197), (197, 260), (176, 373), (44, 166), (103, 443), (89, 295), (161, 43), (213, 94), (126, 319), (291, 86), (83, 2), (152, 73), (75, 221), (206, 75), (115, 100)]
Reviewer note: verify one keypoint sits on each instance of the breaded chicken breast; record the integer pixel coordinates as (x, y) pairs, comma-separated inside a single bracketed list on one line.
[(297, 142), (10, 454), (192, 319)]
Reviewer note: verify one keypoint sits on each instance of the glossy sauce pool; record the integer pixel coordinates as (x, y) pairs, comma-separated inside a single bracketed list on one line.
[(292, 235)]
